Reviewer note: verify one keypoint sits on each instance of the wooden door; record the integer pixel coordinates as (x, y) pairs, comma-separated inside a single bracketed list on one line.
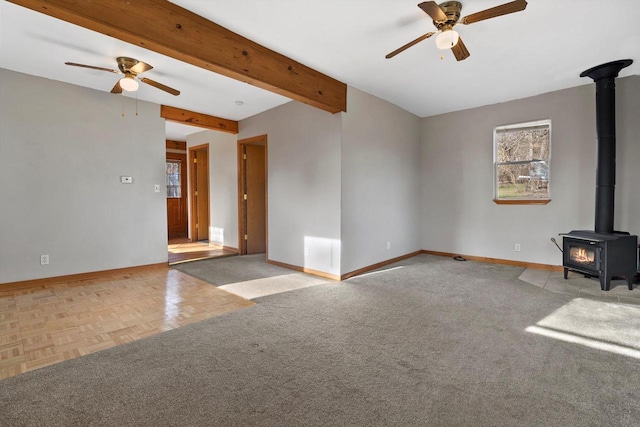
[(176, 179), (199, 160), (256, 194), (252, 195)]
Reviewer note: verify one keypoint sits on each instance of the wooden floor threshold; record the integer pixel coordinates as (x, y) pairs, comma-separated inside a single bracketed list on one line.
[(200, 258), (187, 251)]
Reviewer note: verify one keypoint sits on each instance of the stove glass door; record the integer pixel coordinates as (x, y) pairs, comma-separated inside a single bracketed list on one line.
[(583, 256)]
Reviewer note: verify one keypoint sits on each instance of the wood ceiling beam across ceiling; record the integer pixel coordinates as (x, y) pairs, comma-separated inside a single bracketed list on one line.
[(176, 145), (171, 30), (191, 118)]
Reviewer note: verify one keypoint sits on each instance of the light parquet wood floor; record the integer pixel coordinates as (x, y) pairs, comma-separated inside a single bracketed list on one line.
[(48, 323), (183, 250)]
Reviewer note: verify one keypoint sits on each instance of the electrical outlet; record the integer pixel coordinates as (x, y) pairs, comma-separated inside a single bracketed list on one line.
[(517, 247), (388, 246), (44, 259), (126, 180)]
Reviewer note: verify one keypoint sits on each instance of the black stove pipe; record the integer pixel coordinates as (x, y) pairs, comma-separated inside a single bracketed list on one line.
[(604, 76)]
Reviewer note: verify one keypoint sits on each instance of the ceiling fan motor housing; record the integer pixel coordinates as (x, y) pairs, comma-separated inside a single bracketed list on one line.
[(452, 10), (125, 64)]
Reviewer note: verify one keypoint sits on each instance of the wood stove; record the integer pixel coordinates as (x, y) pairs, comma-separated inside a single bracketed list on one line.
[(600, 255), (603, 253)]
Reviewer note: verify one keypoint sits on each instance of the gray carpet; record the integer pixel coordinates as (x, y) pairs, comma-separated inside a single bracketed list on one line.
[(223, 271), (434, 342), (249, 276)]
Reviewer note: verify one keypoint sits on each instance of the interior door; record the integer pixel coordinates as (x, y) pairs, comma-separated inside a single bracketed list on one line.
[(200, 192), (256, 197), (252, 195), (176, 180)]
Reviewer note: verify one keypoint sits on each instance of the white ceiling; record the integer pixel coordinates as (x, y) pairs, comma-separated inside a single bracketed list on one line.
[(541, 49)]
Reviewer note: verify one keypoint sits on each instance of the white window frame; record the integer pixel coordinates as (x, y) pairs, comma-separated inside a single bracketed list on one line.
[(496, 164)]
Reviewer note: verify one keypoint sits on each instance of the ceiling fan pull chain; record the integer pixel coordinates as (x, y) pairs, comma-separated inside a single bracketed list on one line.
[(122, 104)]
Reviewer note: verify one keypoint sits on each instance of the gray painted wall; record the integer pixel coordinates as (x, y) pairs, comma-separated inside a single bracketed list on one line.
[(459, 215), (381, 198), (340, 186), (223, 185), (303, 184), (627, 215), (63, 149)]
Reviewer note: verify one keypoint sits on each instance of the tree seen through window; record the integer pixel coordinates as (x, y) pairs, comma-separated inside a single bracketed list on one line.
[(522, 157)]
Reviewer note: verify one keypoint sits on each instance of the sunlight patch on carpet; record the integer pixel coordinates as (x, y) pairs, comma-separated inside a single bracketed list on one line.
[(256, 288), (607, 326)]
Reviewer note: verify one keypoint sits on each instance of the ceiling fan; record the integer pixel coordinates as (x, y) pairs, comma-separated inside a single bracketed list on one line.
[(130, 68), (446, 15)]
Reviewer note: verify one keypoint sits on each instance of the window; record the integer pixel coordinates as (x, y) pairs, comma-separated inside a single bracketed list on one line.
[(173, 179), (522, 155)]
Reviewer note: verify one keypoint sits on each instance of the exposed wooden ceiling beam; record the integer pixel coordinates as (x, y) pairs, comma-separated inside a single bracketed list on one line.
[(176, 145), (171, 30), (192, 118)]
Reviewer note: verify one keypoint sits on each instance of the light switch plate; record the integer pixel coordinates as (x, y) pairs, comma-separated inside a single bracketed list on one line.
[(156, 188), (126, 180)]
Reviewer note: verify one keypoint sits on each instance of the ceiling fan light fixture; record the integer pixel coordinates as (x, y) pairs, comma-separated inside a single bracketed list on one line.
[(129, 84), (447, 39)]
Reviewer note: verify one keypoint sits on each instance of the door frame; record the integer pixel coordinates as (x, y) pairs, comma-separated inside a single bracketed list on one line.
[(192, 190), (242, 214)]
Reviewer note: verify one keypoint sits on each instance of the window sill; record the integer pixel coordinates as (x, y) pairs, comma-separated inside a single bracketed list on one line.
[(521, 201)]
